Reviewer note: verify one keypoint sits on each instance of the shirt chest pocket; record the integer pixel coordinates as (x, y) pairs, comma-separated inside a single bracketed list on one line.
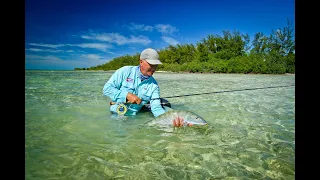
[(128, 85)]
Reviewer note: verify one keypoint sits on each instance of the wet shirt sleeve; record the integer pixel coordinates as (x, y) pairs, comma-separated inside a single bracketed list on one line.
[(155, 104), (113, 85)]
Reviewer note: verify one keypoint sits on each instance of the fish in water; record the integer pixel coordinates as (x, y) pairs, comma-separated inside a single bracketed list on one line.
[(189, 118)]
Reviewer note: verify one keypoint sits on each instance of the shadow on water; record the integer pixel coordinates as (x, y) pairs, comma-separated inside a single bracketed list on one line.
[(132, 124), (124, 126)]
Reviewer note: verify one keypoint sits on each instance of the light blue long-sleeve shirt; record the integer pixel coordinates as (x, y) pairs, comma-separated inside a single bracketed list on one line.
[(127, 79)]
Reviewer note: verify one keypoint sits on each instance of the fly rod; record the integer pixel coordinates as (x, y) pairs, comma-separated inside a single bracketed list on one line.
[(216, 92)]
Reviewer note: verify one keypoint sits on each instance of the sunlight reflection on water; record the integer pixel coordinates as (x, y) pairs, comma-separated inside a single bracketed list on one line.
[(70, 132)]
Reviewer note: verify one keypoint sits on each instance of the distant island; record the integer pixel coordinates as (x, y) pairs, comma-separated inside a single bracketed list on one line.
[(230, 53)]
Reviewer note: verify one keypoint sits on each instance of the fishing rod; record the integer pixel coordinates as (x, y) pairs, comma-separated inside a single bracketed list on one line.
[(215, 92)]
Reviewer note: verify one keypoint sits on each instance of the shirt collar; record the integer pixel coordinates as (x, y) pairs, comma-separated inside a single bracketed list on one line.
[(140, 75)]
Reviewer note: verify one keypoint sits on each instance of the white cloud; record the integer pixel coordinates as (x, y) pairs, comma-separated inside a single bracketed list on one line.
[(82, 61), (47, 45), (42, 58), (36, 60), (118, 38), (43, 50), (139, 39), (140, 27), (166, 28), (73, 55), (102, 47), (162, 28), (94, 59), (91, 56), (170, 40), (99, 46)]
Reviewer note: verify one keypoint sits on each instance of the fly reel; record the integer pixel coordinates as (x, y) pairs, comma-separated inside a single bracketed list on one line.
[(122, 109)]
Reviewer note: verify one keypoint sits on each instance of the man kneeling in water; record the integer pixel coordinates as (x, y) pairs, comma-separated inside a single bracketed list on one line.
[(136, 86)]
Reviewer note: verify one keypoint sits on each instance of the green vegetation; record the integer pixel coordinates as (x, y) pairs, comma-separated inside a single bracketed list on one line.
[(230, 53)]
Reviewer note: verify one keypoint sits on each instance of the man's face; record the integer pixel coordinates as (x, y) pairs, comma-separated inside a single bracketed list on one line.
[(146, 68)]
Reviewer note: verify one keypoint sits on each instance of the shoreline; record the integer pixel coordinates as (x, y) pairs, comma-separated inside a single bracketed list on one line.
[(288, 74), (185, 72)]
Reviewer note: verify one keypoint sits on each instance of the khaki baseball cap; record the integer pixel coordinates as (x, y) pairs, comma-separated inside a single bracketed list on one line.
[(151, 56)]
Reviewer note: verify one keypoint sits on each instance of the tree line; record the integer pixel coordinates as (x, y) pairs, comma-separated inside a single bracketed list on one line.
[(231, 52)]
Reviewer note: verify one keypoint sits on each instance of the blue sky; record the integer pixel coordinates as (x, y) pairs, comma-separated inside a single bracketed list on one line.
[(63, 35)]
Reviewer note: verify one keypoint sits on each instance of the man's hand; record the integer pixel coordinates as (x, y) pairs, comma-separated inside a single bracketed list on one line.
[(133, 98), (178, 121)]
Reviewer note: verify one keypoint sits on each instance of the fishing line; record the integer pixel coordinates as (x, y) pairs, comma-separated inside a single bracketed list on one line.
[(215, 92)]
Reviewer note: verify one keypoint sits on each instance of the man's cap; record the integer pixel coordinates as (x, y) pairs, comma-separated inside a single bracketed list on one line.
[(151, 56)]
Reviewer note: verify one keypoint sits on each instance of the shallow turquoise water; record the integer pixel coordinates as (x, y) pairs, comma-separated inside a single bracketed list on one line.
[(69, 132)]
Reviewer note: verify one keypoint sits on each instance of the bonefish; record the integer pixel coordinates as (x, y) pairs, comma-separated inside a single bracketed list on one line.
[(189, 118)]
